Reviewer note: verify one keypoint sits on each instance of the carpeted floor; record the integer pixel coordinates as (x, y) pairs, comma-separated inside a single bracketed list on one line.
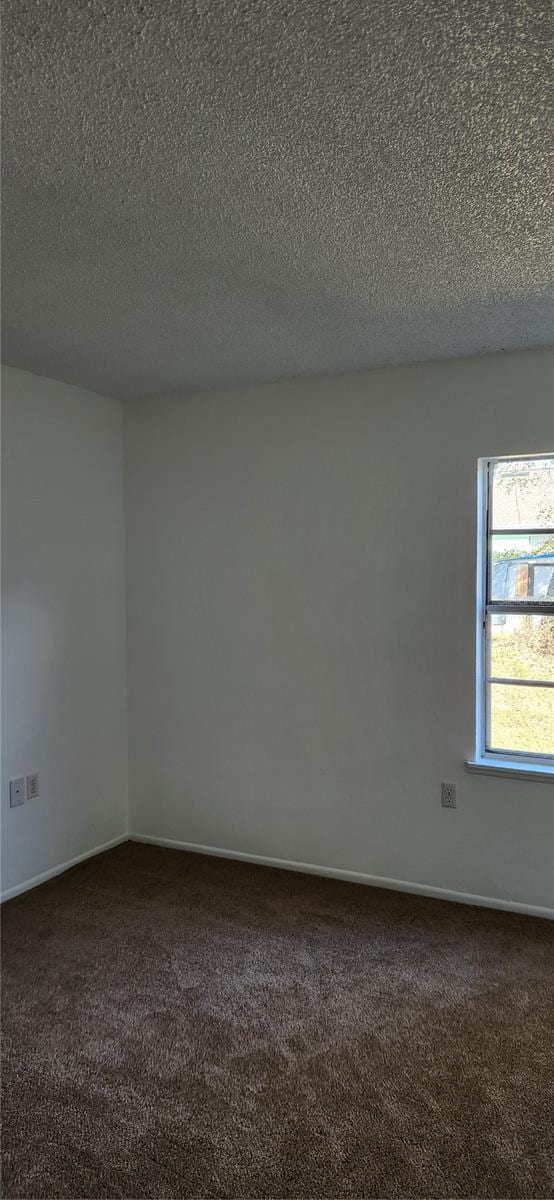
[(179, 1026)]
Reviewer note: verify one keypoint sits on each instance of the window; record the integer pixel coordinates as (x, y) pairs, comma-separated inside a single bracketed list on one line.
[(515, 641)]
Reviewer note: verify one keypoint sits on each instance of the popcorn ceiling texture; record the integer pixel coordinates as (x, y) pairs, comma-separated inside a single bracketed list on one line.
[(200, 193)]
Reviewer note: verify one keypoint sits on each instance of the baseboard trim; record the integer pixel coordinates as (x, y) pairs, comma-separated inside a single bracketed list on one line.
[(27, 884), (380, 881)]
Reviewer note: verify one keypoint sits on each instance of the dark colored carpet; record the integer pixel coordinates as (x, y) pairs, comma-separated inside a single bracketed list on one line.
[(179, 1026)]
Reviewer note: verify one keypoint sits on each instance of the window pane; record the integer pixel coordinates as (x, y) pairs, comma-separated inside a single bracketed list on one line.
[(521, 718), (522, 567), (521, 647), (523, 494)]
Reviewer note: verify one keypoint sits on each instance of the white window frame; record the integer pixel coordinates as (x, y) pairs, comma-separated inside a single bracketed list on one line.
[(499, 761)]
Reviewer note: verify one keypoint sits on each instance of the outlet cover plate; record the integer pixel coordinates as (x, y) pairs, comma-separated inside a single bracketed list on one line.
[(448, 795), (32, 786)]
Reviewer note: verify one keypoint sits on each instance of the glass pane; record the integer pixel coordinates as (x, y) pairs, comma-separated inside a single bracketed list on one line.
[(522, 567), (521, 647), (523, 494), (521, 718)]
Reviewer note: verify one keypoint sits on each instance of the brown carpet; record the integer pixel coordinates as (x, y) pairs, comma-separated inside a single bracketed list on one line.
[(179, 1026)]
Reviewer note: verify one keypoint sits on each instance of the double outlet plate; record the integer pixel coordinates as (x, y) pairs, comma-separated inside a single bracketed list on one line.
[(23, 789), (448, 795)]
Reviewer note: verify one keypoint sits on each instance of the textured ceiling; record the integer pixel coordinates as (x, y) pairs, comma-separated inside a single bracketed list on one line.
[(206, 192)]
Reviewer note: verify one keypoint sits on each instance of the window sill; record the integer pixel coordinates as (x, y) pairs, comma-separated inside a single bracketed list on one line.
[(509, 768)]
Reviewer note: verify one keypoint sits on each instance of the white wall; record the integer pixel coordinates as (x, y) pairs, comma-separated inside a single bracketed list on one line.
[(301, 576), (63, 622), (300, 669)]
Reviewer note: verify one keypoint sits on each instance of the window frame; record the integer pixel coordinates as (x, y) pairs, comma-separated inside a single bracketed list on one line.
[(485, 756)]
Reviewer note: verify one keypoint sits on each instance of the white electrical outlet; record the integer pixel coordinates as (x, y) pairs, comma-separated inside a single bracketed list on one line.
[(448, 795), (32, 787), (17, 792)]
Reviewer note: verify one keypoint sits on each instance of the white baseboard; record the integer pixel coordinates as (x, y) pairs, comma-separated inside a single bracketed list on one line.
[(72, 862), (380, 881), (395, 885)]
